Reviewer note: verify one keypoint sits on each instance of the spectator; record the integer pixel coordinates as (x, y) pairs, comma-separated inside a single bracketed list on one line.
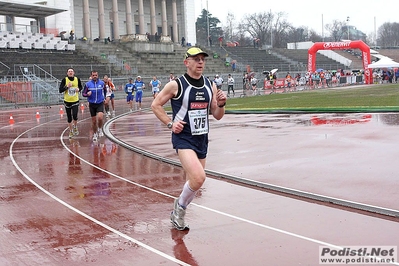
[(183, 41), (220, 41), (171, 77), (230, 85), (71, 36)]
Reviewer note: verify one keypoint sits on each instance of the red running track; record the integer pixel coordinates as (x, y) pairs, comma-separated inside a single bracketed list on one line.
[(77, 203)]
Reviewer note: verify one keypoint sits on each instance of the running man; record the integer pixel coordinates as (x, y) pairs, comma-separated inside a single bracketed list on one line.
[(71, 86), (192, 97), (95, 92), (129, 90), (109, 97), (155, 84), (139, 86)]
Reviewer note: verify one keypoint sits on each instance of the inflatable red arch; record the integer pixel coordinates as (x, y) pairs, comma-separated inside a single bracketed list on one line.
[(339, 46)]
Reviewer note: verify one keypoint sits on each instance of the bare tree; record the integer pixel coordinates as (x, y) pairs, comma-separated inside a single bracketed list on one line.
[(388, 35), (242, 35), (294, 35), (258, 26), (280, 30), (335, 30), (314, 36), (270, 28), (229, 28)]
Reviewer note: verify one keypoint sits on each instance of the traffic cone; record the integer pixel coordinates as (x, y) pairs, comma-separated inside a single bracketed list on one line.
[(61, 111), (37, 115), (82, 107), (11, 120)]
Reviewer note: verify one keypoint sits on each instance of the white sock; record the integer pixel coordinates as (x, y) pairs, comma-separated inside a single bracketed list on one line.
[(186, 196)]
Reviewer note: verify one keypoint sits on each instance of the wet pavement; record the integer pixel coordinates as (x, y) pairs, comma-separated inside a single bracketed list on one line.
[(74, 202)]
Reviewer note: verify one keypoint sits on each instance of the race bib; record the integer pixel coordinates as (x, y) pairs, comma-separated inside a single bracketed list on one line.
[(72, 91), (198, 121)]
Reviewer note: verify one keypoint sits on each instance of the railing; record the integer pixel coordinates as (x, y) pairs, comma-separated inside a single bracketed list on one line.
[(5, 66), (35, 87), (18, 94), (34, 72)]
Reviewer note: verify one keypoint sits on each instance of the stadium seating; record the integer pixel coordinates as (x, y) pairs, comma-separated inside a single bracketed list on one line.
[(28, 40)]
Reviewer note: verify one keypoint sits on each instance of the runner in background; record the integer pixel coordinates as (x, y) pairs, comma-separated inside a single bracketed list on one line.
[(109, 97), (129, 90), (156, 85), (139, 86), (95, 92), (71, 86)]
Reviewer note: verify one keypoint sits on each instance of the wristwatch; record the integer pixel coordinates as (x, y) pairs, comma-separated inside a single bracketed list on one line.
[(170, 124), (222, 105)]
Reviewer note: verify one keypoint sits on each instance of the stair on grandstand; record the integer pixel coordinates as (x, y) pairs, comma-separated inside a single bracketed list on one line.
[(53, 62), (258, 60), (145, 63), (391, 53)]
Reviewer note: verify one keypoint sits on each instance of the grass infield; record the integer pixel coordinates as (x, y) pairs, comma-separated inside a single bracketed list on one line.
[(365, 98)]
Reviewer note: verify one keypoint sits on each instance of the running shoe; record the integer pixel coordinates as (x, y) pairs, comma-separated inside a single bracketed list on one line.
[(70, 134), (75, 130), (95, 138), (113, 113), (177, 216), (100, 132)]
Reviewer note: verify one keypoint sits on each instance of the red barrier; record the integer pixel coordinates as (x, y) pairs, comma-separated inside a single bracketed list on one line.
[(278, 83), (17, 92)]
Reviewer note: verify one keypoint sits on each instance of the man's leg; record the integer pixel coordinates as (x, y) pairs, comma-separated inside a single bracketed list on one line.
[(75, 111), (100, 119), (94, 123), (195, 177)]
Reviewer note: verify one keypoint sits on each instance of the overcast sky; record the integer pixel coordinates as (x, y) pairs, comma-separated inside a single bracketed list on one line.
[(365, 15)]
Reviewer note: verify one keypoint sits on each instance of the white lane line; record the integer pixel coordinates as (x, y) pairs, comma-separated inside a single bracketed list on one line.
[(141, 244)]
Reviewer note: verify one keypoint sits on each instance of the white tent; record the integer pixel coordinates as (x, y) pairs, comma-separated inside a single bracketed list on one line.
[(384, 62)]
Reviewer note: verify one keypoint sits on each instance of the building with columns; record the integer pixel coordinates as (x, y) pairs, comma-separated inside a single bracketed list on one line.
[(110, 18)]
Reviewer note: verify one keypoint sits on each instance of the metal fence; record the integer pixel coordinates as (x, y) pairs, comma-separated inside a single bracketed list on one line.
[(17, 94)]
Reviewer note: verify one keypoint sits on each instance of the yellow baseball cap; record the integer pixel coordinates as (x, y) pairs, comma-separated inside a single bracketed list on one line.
[(193, 51)]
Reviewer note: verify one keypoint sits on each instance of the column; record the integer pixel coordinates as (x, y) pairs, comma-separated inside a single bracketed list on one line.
[(86, 20), (14, 27), (164, 19), (174, 21), (141, 17), (115, 19), (153, 18), (129, 28), (101, 20)]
